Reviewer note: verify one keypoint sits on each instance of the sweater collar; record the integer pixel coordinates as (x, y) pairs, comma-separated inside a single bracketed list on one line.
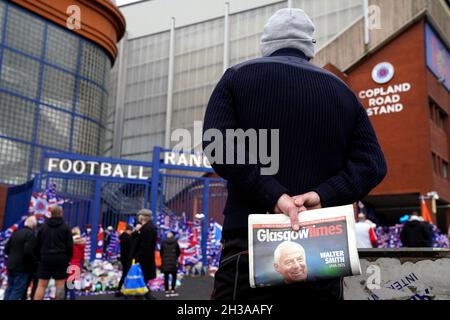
[(290, 52)]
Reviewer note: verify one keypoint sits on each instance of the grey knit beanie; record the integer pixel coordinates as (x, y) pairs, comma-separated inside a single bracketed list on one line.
[(289, 28)]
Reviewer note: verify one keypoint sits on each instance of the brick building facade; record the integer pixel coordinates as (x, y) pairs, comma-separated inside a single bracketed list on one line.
[(404, 86)]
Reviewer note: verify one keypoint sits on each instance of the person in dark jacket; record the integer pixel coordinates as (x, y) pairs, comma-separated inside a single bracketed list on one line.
[(33, 279), (170, 252), (416, 233), (144, 247), (134, 238), (20, 250), (323, 149), (126, 250), (55, 249)]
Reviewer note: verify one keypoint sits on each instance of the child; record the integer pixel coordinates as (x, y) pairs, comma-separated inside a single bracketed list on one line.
[(79, 245)]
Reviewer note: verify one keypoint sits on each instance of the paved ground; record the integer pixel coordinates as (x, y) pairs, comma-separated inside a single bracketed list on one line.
[(192, 288)]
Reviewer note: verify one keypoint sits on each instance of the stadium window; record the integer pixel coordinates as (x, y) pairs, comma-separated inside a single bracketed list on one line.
[(441, 118), (431, 107), (437, 114), (439, 164), (444, 169), (433, 162)]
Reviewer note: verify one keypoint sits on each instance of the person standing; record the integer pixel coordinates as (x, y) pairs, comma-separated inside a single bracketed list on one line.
[(33, 280), (126, 250), (365, 234), (106, 243), (170, 252), (55, 248), (324, 151), (448, 233), (79, 245), (20, 250), (144, 247), (416, 233)]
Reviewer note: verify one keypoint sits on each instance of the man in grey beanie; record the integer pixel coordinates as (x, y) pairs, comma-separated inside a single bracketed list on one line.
[(289, 28), (144, 247), (328, 151)]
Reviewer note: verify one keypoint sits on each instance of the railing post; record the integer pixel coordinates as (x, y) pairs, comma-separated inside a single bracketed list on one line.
[(155, 181), (96, 214), (205, 226)]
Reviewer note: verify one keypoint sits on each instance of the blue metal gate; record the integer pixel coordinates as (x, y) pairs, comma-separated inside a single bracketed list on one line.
[(188, 190), (92, 199)]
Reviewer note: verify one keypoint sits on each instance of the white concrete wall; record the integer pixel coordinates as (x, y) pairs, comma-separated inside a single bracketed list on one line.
[(150, 17), (400, 279)]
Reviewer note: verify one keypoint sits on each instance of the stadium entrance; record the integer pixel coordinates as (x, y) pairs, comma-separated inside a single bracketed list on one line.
[(96, 191)]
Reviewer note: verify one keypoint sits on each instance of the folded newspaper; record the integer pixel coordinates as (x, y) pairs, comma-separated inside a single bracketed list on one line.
[(324, 248)]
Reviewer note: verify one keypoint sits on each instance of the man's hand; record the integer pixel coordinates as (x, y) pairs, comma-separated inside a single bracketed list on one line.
[(310, 201), (286, 205)]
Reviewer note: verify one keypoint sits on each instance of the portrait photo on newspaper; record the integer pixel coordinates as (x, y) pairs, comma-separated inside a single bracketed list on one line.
[(323, 248)]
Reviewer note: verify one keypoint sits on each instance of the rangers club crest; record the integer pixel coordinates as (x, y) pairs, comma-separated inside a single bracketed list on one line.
[(383, 73)]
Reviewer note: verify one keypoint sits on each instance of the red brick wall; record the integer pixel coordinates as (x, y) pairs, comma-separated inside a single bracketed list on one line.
[(404, 136), (440, 138), (409, 137)]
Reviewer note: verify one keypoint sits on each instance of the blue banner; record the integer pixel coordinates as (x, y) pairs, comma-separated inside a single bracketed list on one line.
[(438, 56)]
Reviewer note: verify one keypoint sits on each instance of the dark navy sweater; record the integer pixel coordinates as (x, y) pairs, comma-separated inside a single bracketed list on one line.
[(326, 141)]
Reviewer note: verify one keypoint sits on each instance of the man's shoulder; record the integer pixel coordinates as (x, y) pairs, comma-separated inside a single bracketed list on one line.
[(251, 62), (29, 233), (148, 227), (295, 62), (287, 60), (408, 225), (64, 226), (290, 61), (21, 232), (362, 225)]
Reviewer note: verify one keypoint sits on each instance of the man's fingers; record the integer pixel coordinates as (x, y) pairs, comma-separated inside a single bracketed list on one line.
[(293, 214), (299, 200), (309, 200)]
